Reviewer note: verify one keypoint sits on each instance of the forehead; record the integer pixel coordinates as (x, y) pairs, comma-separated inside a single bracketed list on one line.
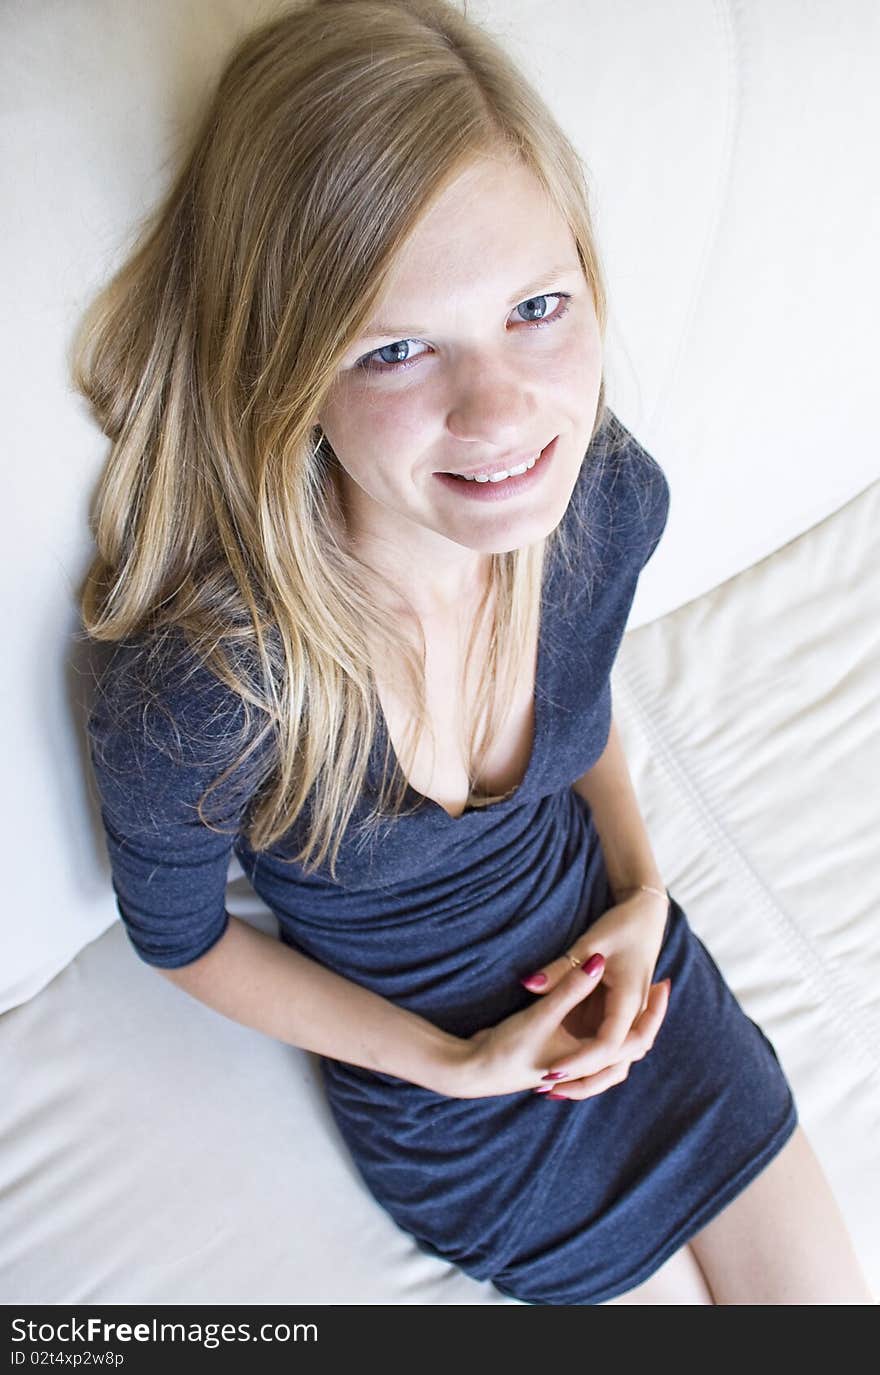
[(493, 225)]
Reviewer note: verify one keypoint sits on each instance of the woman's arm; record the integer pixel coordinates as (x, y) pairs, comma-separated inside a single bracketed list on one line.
[(607, 788), (629, 936), (260, 982), (255, 979)]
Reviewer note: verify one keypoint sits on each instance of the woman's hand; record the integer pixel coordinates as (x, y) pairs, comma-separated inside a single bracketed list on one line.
[(513, 1054), (589, 1024), (600, 1038)]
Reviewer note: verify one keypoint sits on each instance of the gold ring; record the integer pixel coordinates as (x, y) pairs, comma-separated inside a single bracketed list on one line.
[(574, 961)]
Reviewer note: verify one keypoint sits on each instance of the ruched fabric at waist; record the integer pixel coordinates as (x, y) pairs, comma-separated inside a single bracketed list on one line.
[(453, 946)]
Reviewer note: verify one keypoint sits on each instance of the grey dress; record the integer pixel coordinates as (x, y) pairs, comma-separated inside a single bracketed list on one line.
[(555, 1202)]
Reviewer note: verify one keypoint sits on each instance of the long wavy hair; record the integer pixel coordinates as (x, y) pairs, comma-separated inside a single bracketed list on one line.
[(208, 355)]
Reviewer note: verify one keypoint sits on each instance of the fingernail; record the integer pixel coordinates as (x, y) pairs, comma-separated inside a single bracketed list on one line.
[(554, 1074), (562, 1097), (546, 1089), (534, 981), (593, 965)]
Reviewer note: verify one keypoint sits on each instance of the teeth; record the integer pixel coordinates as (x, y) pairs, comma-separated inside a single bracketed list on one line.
[(499, 477)]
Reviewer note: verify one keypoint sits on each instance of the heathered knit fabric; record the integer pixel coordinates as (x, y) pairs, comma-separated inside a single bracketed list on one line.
[(556, 1202)]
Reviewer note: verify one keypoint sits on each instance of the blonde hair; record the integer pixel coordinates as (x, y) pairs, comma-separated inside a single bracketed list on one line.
[(207, 358)]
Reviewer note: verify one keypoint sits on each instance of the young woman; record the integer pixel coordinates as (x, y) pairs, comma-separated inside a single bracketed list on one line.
[(367, 539)]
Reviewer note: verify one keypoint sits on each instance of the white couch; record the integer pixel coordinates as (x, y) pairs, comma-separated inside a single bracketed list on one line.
[(153, 1151)]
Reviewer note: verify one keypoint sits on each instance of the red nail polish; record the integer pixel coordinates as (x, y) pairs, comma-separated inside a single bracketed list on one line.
[(593, 965), (546, 1089), (534, 981), (563, 1097), (554, 1074)]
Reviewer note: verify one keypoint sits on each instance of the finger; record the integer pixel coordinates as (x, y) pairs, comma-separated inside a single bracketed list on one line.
[(545, 979), (649, 1023), (606, 1046), (580, 981), (639, 1042), (596, 1058), (622, 1007), (578, 1089)]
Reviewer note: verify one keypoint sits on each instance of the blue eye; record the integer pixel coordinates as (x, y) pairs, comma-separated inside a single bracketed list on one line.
[(400, 355), (541, 303), (397, 355)]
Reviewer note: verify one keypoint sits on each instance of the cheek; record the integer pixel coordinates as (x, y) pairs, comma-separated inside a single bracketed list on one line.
[(376, 434), (578, 365), (368, 420), (400, 414)]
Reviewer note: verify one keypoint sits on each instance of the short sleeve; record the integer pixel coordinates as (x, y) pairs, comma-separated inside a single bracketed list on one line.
[(631, 498), (152, 758)]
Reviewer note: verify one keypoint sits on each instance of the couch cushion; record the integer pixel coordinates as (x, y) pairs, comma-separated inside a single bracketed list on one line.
[(157, 1152)]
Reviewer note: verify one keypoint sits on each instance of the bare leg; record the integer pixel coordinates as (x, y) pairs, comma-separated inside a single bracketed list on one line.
[(679, 1280), (783, 1239)]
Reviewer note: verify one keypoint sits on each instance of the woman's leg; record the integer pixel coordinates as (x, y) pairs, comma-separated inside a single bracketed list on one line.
[(783, 1239), (679, 1280)]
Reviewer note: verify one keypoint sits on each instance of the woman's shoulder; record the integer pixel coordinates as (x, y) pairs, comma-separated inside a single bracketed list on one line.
[(162, 726), (621, 497), (157, 685)]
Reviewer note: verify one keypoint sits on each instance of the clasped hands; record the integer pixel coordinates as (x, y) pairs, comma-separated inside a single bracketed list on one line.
[(585, 1029)]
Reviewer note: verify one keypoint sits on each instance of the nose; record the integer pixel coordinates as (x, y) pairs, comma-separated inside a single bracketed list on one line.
[(489, 403)]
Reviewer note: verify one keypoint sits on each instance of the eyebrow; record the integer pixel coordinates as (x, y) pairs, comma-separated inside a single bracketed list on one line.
[(379, 330)]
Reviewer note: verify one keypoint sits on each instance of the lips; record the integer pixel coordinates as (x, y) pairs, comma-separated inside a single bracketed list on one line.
[(489, 469), (505, 489)]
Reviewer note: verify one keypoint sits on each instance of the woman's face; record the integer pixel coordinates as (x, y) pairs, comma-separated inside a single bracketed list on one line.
[(482, 354)]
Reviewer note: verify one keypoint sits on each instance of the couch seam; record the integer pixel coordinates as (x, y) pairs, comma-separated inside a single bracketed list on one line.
[(829, 987)]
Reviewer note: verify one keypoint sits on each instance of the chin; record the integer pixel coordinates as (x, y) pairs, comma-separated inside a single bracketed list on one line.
[(524, 533)]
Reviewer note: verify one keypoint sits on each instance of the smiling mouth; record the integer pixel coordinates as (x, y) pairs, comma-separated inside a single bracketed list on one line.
[(500, 476), (503, 482)]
